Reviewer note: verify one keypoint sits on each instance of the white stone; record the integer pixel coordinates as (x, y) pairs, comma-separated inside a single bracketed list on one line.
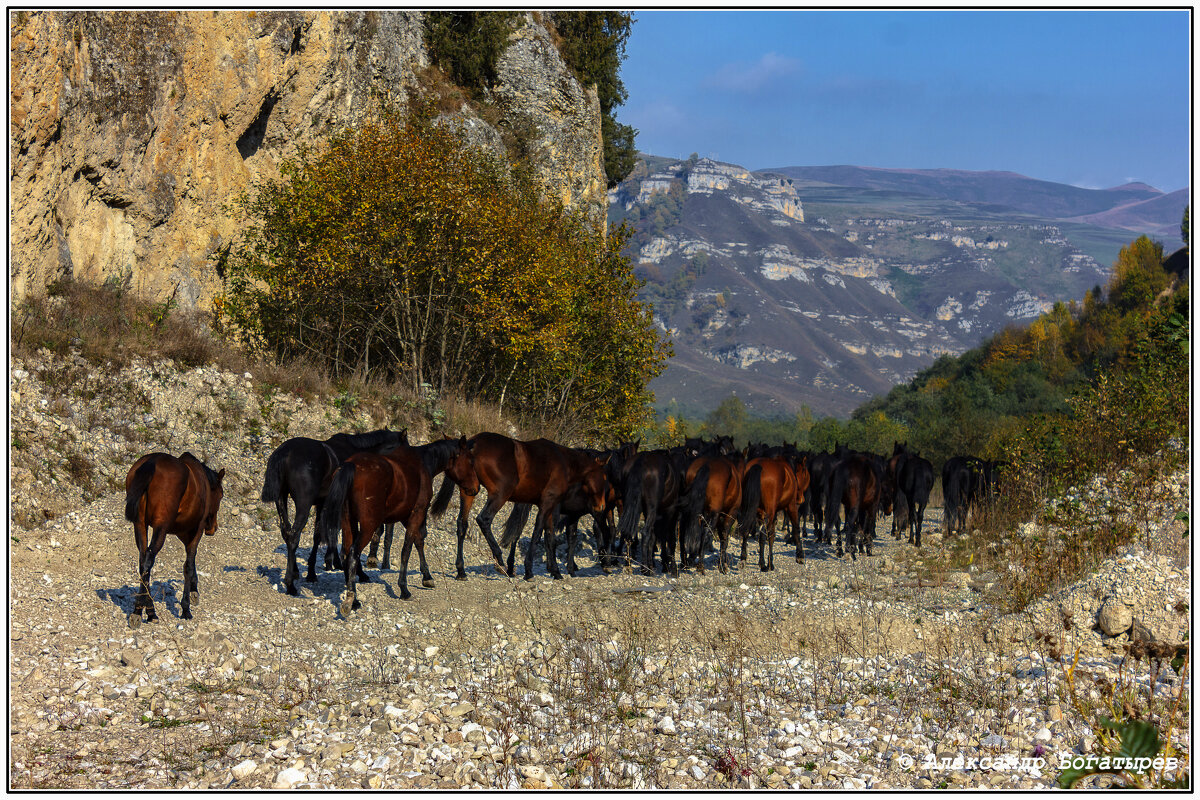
[(289, 778), (244, 769)]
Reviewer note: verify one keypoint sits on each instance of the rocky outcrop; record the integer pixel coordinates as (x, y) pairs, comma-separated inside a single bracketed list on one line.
[(131, 131)]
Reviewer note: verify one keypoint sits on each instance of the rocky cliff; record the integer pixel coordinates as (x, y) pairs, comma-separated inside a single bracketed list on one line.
[(130, 131)]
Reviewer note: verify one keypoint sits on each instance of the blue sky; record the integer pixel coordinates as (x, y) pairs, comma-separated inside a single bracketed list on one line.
[(1093, 98)]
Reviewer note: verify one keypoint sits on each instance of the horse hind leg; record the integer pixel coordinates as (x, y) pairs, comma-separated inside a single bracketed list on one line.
[(189, 576), (160, 536), (426, 576)]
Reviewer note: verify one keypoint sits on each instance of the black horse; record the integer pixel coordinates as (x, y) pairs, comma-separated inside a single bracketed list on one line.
[(651, 487), (913, 477), (961, 480), (301, 469)]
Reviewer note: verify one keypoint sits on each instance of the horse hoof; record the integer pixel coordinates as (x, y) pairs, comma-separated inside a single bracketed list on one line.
[(372, 563), (294, 592), (556, 576), (405, 594), (348, 605), (186, 615), (460, 577), (427, 583)]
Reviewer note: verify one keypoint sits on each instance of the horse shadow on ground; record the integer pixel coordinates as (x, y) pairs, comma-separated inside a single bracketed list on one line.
[(163, 592)]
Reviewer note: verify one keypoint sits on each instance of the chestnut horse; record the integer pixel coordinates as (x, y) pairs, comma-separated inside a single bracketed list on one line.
[(768, 487), (538, 472), (369, 490), (171, 495), (712, 495)]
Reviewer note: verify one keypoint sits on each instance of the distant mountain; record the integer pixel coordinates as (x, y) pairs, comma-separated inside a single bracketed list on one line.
[(789, 288), (1158, 216), (1044, 199)]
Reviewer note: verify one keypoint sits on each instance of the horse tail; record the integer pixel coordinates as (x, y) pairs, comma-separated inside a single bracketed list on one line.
[(835, 488), (693, 508), (516, 524), (633, 508), (442, 501), (273, 481), (137, 488), (751, 496), (331, 513)]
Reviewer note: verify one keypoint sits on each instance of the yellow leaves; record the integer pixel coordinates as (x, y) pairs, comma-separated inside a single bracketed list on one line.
[(399, 219)]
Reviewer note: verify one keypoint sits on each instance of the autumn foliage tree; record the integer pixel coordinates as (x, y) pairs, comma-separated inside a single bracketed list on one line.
[(397, 250)]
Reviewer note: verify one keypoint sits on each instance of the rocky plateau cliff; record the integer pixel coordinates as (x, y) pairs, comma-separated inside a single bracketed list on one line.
[(131, 130)]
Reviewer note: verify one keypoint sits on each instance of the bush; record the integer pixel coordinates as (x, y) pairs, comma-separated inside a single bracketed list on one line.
[(398, 250)]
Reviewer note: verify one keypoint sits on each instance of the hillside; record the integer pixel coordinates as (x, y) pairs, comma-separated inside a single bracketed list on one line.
[(790, 289)]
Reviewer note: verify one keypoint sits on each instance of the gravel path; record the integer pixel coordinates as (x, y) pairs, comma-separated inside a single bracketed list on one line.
[(834, 673)]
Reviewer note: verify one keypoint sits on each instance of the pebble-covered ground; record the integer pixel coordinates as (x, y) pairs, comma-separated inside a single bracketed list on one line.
[(832, 673)]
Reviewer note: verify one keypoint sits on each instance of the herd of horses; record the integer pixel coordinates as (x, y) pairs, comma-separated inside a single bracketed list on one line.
[(642, 502)]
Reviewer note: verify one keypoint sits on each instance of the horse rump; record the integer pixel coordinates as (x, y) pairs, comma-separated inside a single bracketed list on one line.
[(693, 509), (273, 480)]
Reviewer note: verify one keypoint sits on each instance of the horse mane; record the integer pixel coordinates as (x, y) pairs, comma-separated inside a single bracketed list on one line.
[(213, 479), (366, 440), (435, 454)]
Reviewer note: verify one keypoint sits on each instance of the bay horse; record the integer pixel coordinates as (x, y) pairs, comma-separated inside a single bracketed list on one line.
[(712, 497), (538, 472), (769, 486), (302, 468), (435, 456), (574, 504), (369, 490), (171, 495)]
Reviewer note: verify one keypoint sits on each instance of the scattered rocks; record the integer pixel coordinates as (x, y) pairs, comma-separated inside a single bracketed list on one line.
[(726, 681)]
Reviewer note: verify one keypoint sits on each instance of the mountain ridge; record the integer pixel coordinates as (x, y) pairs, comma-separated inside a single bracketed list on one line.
[(789, 290)]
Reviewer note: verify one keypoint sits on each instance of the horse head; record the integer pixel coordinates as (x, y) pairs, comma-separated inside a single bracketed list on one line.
[(215, 495), (461, 467), (596, 487)]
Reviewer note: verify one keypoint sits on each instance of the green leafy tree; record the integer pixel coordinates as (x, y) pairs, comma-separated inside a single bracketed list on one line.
[(467, 44)]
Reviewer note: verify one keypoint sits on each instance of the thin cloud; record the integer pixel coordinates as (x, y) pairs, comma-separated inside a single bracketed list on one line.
[(739, 76)]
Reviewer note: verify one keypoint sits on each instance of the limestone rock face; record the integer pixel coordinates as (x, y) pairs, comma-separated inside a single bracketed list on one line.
[(559, 118), (131, 131)]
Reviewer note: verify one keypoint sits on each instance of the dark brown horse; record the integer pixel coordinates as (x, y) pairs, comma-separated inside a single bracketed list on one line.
[(302, 468), (369, 490), (857, 485), (768, 487), (538, 472), (713, 495), (171, 495)]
